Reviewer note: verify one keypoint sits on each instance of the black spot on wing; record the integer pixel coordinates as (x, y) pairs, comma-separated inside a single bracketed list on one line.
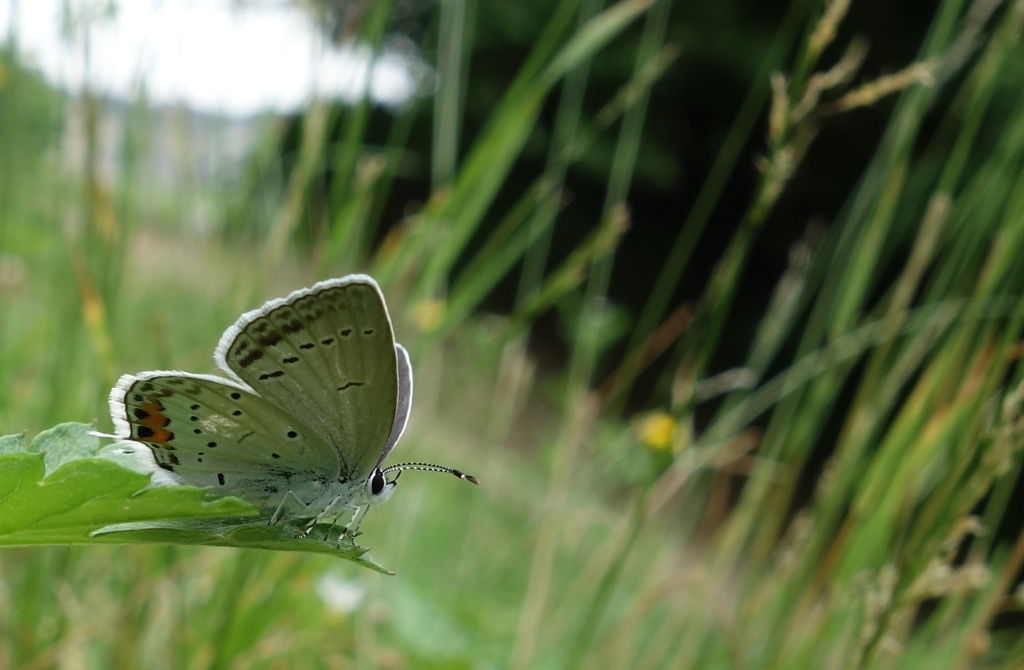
[(270, 339), (150, 394), (250, 358), (293, 326)]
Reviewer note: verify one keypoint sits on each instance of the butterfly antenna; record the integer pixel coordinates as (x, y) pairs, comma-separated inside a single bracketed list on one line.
[(430, 467)]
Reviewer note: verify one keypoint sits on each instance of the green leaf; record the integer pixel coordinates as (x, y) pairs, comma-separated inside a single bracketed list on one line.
[(12, 444), (240, 532), (64, 443), (65, 488)]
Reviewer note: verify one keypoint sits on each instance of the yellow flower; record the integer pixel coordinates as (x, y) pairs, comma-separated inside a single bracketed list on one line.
[(427, 314), (657, 430)]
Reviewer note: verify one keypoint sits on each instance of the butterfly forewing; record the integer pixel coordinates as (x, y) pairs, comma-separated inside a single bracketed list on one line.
[(404, 408), (327, 356), (222, 436)]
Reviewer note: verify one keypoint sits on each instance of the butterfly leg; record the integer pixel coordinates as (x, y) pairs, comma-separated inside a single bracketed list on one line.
[(352, 529), (289, 501), (335, 515), (304, 533)]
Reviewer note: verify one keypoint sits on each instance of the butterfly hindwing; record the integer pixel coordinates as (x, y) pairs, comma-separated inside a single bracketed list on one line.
[(327, 356), (213, 432)]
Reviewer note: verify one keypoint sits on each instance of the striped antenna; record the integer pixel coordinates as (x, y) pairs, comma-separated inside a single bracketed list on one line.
[(430, 467)]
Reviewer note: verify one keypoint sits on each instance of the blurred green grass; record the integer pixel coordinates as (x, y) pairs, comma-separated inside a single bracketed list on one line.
[(583, 547)]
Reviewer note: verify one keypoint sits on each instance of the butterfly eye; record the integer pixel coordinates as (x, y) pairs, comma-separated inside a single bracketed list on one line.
[(377, 482)]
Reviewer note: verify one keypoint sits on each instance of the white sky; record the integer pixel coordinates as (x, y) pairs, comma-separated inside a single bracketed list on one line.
[(203, 54)]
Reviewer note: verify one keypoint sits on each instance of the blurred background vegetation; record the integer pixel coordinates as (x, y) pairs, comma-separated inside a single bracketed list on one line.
[(721, 302)]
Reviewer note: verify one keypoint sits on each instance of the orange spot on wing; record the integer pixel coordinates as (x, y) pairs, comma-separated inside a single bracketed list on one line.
[(155, 421)]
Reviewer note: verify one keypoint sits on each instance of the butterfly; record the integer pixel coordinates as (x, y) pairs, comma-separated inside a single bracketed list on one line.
[(316, 395)]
